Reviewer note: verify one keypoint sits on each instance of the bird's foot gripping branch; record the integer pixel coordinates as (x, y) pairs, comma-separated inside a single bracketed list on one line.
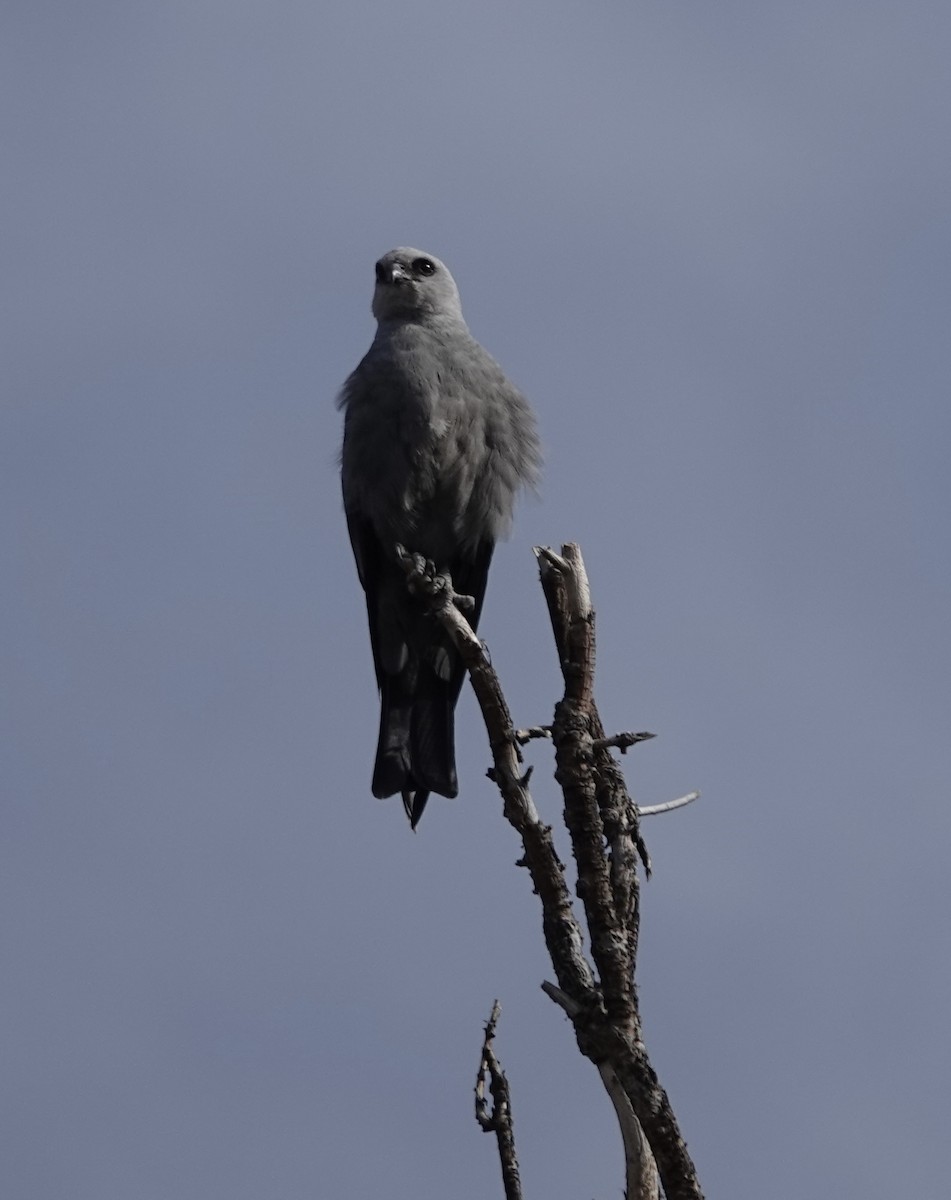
[(423, 580)]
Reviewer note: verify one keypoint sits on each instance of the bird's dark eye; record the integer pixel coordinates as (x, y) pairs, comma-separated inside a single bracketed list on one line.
[(424, 266), (380, 273)]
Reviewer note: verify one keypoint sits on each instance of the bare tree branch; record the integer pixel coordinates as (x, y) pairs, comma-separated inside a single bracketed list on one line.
[(622, 741), (499, 1120), (617, 1040), (651, 810), (640, 1169), (524, 736), (560, 926), (602, 821)]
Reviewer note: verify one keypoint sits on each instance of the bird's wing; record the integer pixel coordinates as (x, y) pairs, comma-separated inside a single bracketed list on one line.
[(470, 574), (368, 555)]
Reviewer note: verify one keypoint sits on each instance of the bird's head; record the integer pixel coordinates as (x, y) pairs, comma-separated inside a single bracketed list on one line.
[(412, 285)]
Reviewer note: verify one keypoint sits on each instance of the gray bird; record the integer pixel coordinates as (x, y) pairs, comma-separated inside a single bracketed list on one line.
[(436, 445)]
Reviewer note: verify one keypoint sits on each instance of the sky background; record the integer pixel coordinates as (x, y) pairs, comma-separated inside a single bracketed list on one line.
[(711, 243)]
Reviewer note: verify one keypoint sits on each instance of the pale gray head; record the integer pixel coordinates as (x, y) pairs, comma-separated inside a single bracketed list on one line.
[(412, 285)]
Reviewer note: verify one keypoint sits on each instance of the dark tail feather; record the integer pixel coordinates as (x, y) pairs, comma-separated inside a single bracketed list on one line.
[(415, 754), (414, 803), (433, 737), (392, 771)]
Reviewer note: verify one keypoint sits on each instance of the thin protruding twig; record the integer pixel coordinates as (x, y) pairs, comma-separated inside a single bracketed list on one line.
[(524, 736), (498, 1120), (570, 1005), (651, 810), (622, 741)]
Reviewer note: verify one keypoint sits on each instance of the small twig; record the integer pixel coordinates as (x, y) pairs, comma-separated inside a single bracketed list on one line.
[(623, 741), (651, 810), (524, 736), (499, 1119), (568, 1003)]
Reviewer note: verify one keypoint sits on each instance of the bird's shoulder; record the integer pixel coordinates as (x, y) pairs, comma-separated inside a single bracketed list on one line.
[(418, 357)]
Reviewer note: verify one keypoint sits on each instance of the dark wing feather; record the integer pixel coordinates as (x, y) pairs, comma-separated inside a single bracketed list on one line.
[(368, 555)]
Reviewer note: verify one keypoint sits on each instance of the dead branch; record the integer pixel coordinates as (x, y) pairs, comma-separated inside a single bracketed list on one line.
[(499, 1119), (651, 810), (524, 736), (640, 1170), (603, 823), (622, 741)]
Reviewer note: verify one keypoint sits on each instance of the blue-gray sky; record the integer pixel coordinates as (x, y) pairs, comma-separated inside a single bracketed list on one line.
[(711, 243)]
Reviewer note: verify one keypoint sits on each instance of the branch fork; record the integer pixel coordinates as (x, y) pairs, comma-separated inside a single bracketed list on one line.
[(599, 995)]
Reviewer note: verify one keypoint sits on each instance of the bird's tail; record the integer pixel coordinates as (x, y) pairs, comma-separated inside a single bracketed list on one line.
[(415, 753)]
